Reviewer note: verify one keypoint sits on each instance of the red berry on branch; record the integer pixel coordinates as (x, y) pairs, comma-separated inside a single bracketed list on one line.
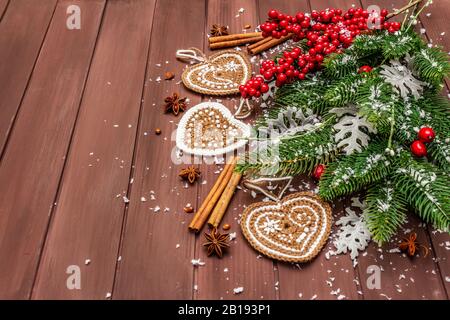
[(305, 23), (282, 77), (426, 134), (418, 149), (283, 24), (300, 16), (268, 75), (264, 88), (318, 171), (384, 12), (365, 69), (273, 14)]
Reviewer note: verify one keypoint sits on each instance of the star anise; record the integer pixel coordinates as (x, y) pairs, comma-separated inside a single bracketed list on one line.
[(216, 242), (410, 245), (218, 30), (174, 104), (190, 174)]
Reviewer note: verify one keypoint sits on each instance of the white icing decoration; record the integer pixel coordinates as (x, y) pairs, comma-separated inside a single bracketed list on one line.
[(182, 129), (260, 212)]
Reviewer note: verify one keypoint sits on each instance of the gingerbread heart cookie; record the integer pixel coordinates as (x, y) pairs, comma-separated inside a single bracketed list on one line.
[(220, 74), (293, 230), (209, 129)]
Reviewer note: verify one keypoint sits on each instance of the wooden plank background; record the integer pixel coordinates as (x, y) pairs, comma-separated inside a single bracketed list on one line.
[(85, 181)]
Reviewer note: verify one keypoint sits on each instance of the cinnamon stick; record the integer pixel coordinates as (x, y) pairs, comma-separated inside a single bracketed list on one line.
[(208, 204), (269, 44), (257, 44), (233, 37), (234, 43), (224, 201)]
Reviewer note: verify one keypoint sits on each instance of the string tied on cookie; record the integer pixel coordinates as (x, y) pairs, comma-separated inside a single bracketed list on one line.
[(192, 54), (271, 187)]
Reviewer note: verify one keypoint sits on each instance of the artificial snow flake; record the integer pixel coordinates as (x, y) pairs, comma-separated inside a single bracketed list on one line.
[(197, 262), (352, 130), (402, 79), (353, 235), (238, 290)]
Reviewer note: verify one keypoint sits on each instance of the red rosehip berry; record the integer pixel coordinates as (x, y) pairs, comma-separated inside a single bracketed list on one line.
[(273, 14), (264, 88), (300, 16), (365, 69), (418, 149), (426, 134), (318, 171)]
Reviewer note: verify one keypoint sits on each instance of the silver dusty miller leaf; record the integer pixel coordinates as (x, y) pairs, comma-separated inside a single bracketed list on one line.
[(289, 122), (402, 79), (353, 235), (352, 130)]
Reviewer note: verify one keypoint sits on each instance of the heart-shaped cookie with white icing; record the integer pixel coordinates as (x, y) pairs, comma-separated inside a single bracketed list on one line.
[(220, 74), (293, 230), (209, 129)]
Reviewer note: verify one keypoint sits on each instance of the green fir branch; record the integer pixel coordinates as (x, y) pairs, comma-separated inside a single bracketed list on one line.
[(301, 94), (426, 189), (432, 66), (344, 90), (292, 155), (339, 65), (385, 211), (351, 173), (396, 46)]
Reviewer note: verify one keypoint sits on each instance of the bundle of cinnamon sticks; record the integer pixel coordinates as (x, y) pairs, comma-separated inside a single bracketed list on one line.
[(234, 40), (267, 43), (218, 199)]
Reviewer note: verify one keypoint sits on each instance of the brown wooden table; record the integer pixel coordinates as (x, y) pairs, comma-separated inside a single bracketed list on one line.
[(78, 110)]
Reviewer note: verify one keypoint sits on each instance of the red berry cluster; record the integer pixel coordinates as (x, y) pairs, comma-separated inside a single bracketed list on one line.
[(325, 32), (254, 87), (425, 135)]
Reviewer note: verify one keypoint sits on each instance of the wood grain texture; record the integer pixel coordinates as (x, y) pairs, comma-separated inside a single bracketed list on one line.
[(87, 219), (402, 278), (20, 41), (241, 266), (322, 277), (78, 111), (157, 247), (3, 7), (32, 165)]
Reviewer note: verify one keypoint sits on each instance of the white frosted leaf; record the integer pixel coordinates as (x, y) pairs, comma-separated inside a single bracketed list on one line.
[(402, 79), (353, 235), (351, 130)]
